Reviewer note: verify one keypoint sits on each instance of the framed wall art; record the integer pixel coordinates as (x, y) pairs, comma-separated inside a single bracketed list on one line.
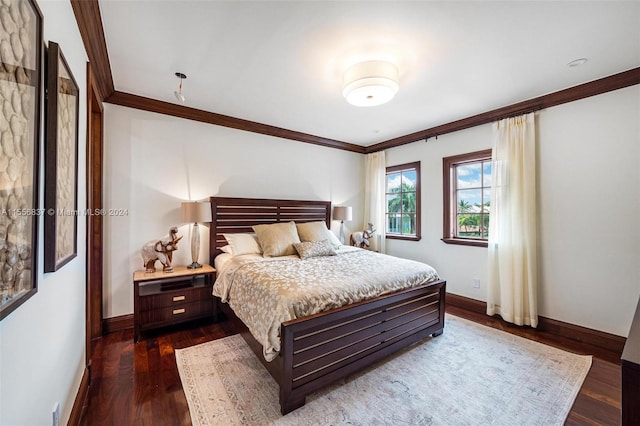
[(20, 87), (61, 162)]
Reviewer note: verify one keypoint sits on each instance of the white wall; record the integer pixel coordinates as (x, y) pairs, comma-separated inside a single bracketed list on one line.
[(589, 192), (154, 162), (589, 202), (42, 342)]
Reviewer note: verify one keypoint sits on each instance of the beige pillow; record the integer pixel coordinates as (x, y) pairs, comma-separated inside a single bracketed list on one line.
[(317, 231), (308, 249), (242, 244), (312, 231), (277, 239)]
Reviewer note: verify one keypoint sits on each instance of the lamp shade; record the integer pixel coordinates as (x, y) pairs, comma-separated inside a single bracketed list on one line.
[(342, 213), (370, 83), (194, 212)]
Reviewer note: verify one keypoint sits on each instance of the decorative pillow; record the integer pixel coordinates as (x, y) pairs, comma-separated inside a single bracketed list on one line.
[(317, 231), (277, 239), (312, 231), (308, 249), (242, 244)]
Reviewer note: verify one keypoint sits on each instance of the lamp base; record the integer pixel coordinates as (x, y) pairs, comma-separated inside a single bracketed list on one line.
[(195, 247)]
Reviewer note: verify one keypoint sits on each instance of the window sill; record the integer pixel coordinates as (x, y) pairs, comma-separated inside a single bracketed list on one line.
[(465, 242), (403, 237)]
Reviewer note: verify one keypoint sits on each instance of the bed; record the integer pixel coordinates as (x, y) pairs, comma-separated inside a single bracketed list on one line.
[(316, 350)]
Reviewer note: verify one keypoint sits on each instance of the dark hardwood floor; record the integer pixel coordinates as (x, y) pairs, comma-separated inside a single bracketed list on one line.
[(138, 384)]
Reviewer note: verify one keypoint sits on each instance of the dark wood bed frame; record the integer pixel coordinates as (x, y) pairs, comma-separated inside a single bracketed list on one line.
[(323, 348)]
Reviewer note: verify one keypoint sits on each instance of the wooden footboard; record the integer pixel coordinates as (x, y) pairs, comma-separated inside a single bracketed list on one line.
[(327, 347)]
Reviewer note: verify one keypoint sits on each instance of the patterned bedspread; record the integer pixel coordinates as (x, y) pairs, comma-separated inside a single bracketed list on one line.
[(265, 292)]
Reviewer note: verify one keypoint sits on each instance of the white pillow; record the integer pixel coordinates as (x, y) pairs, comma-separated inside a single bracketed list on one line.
[(227, 249), (334, 240), (243, 244)]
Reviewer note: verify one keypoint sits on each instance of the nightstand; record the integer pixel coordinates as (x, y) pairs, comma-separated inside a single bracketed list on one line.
[(166, 298)]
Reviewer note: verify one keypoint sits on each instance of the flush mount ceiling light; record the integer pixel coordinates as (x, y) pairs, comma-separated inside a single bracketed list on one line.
[(370, 83), (178, 93)]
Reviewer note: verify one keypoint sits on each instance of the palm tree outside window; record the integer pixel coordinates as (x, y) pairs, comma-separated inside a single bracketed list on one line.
[(467, 195), (402, 195)]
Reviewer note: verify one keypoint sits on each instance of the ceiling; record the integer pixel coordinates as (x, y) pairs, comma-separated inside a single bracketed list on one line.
[(281, 62)]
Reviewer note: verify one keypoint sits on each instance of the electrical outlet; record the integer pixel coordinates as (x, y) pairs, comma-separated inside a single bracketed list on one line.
[(56, 414), (475, 283)]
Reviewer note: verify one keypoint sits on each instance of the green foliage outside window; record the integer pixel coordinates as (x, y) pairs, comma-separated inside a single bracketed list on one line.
[(401, 197), (473, 195)]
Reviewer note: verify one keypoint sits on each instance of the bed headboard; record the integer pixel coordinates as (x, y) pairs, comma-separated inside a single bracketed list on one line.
[(236, 215)]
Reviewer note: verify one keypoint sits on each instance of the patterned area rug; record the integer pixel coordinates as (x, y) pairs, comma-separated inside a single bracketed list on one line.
[(470, 375)]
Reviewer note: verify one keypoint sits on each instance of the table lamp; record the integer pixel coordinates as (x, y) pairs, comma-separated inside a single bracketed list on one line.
[(342, 213), (195, 212)]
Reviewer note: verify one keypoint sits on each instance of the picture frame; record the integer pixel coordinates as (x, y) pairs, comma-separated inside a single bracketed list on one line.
[(21, 49), (61, 162)]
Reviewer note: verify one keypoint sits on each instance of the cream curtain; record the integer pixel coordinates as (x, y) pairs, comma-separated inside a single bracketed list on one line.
[(375, 175), (512, 248)]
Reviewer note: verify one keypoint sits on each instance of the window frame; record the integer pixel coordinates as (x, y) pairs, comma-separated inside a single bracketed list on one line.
[(449, 211), (399, 168)]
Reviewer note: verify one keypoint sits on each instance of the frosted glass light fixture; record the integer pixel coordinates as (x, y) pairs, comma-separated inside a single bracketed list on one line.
[(370, 83), (342, 213), (194, 212)]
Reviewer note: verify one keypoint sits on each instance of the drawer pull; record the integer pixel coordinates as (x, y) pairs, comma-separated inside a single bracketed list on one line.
[(178, 311), (178, 298)]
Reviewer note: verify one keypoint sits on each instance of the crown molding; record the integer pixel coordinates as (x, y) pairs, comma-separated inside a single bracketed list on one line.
[(181, 111), (89, 20), (592, 88)]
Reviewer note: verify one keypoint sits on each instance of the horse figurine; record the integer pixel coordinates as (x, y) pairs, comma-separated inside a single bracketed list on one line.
[(361, 239), (161, 250)]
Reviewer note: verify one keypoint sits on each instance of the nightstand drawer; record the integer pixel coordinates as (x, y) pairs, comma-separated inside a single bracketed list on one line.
[(175, 298), (175, 314)]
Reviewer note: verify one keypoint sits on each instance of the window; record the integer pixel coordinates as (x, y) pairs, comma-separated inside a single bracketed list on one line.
[(467, 198), (402, 196)]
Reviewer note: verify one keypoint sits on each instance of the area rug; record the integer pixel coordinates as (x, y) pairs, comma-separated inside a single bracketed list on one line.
[(470, 375)]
